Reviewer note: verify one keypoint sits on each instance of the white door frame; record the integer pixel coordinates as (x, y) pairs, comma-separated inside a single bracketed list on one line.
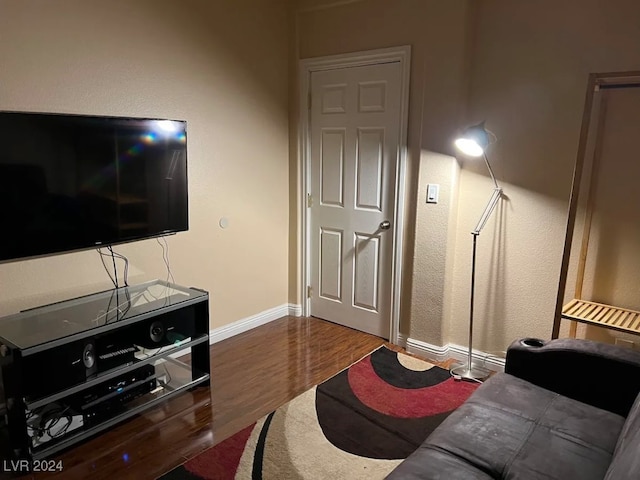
[(307, 67)]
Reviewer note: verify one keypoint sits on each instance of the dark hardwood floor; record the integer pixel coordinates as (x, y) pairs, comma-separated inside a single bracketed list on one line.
[(252, 374)]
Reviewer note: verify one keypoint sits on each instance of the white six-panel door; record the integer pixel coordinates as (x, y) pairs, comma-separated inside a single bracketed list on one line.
[(355, 118)]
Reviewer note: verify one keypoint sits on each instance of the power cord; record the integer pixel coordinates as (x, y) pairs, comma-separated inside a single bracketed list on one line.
[(102, 255), (48, 418), (113, 254), (458, 378), (147, 355), (115, 269), (126, 265), (165, 257), (166, 371)]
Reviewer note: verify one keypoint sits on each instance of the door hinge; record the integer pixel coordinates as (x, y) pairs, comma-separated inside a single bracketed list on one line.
[(309, 200), (309, 101), (309, 291)]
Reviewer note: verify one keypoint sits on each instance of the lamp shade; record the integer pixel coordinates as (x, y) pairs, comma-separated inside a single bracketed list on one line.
[(473, 141)]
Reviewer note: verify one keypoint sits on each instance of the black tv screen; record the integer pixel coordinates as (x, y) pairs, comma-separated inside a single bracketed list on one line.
[(69, 182)]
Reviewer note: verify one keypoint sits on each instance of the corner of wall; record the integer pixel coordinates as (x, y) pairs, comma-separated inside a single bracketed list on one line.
[(295, 178), (434, 249), (447, 301)]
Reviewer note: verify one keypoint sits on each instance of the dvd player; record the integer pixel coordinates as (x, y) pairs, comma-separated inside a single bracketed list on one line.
[(110, 397)]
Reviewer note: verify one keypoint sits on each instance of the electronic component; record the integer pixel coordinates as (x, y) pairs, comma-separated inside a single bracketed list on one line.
[(109, 397), (51, 422)]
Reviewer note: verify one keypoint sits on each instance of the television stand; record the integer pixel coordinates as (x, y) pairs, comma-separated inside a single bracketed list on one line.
[(73, 369)]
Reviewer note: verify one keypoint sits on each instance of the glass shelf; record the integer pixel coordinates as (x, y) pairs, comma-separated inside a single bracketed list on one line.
[(141, 359), (48, 326), (45, 373), (172, 377)]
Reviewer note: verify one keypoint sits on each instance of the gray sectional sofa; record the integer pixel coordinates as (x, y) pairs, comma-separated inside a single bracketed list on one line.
[(564, 409)]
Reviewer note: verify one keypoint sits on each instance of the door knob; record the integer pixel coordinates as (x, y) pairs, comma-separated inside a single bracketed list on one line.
[(386, 225)]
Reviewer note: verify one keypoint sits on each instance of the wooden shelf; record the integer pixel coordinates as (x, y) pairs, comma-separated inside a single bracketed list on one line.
[(602, 315), (591, 179)]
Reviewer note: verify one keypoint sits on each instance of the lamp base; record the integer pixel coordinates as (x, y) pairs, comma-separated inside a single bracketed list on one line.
[(473, 374)]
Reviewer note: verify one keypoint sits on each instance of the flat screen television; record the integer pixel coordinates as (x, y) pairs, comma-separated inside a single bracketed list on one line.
[(70, 182)]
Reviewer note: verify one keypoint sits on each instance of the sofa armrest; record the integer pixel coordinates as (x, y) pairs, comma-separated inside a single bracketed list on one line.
[(602, 375)]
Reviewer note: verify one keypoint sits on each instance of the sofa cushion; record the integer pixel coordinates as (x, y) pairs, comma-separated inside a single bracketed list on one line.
[(512, 429), (626, 461), (428, 463)]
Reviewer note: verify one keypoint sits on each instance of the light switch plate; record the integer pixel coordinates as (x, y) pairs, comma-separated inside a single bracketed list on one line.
[(433, 191)]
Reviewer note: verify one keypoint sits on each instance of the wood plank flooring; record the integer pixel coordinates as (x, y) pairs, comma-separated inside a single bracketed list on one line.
[(252, 374)]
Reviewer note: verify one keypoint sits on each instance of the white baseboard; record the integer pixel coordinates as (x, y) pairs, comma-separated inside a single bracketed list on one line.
[(427, 350), (458, 352), (248, 323), (295, 310), (244, 325)]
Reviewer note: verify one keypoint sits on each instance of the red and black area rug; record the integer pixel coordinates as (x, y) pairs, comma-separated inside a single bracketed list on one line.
[(360, 423)]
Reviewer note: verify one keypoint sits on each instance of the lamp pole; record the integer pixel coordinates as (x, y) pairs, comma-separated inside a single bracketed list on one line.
[(469, 371)]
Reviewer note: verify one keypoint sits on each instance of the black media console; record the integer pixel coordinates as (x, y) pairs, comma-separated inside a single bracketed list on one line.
[(72, 369)]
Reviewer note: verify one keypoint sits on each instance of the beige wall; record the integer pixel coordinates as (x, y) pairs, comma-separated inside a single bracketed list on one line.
[(522, 67), (612, 260), (434, 251), (436, 31), (222, 66), (530, 62)]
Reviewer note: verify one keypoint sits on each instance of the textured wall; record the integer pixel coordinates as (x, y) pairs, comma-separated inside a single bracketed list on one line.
[(436, 32), (433, 254), (613, 259), (222, 66), (529, 68), (525, 65), (612, 273)]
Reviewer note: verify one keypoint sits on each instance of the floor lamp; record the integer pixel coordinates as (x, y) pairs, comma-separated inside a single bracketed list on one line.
[(473, 143)]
